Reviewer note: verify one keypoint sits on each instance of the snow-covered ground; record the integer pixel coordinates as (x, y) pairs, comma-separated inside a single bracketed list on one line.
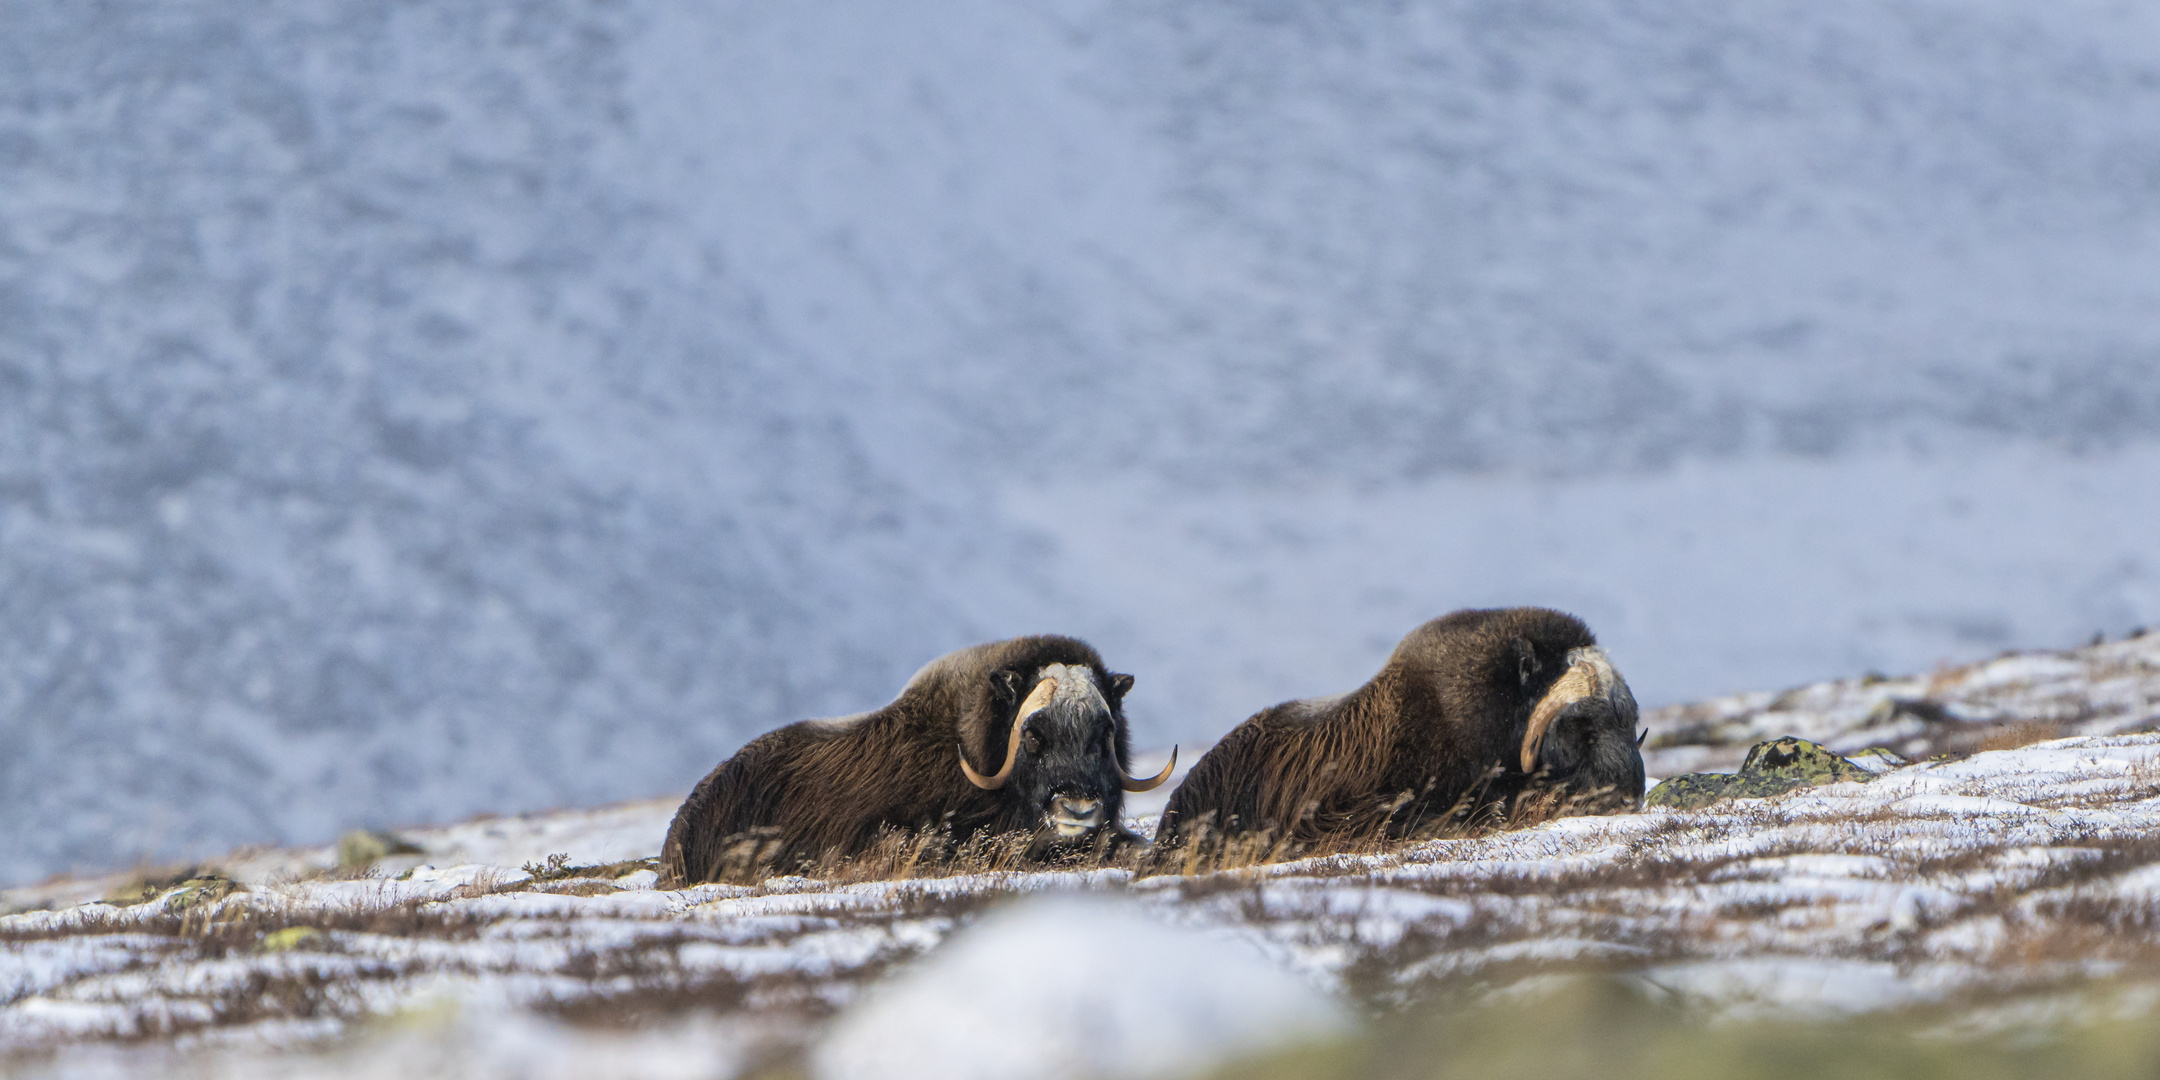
[(2102, 689), (2014, 884), (410, 411)]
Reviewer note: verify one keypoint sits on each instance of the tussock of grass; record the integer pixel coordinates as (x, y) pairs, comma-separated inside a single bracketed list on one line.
[(910, 855), (1203, 849), (902, 855), (558, 867)]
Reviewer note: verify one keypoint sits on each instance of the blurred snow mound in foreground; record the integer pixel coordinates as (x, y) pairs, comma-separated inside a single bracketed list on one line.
[(1073, 986)]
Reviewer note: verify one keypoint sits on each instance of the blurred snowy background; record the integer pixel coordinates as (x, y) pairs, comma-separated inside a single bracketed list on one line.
[(416, 410)]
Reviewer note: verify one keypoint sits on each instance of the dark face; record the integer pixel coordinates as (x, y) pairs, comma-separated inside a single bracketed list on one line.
[(1066, 781), (1592, 746), (1589, 744)]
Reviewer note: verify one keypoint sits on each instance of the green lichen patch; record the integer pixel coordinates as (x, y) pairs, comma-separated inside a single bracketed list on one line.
[(1799, 759), (207, 889), (288, 939), (1772, 768), (148, 885)]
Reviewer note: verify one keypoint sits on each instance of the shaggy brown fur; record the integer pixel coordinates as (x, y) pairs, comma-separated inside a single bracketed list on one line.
[(825, 789), (1436, 736)]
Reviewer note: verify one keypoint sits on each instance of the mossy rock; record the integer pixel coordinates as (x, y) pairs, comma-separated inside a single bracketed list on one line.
[(135, 892), (366, 847), (148, 885), (1771, 768), (208, 889), (1799, 759), (1697, 790), (288, 939), (187, 888)]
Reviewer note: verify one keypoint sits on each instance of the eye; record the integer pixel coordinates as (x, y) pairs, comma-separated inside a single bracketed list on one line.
[(1030, 742)]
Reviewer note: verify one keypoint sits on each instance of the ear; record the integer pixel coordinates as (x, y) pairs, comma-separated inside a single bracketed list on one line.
[(1526, 661), (1005, 687), (1119, 684)]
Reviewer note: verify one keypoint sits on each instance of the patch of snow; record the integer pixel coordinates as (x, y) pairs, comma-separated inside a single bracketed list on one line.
[(1072, 986), (1964, 805)]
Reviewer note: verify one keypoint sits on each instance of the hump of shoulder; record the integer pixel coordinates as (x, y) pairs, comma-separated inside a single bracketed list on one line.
[(1308, 710), (1481, 629), (835, 725), (978, 661)]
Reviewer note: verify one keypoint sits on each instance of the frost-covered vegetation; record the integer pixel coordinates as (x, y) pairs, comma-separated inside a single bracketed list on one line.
[(1996, 893), (410, 411)]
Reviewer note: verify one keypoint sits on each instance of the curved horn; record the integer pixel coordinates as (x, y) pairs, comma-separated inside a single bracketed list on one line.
[(1584, 678), (1136, 785), (1043, 692)]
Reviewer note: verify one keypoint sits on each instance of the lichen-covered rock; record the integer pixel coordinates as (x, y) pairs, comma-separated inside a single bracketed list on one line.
[(1772, 768), (366, 847), (1799, 759), (1696, 790), (206, 889), (146, 886), (291, 937), (183, 888)]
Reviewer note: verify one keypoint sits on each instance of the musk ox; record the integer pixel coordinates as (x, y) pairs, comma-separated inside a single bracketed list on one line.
[(1041, 715), (1472, 710)]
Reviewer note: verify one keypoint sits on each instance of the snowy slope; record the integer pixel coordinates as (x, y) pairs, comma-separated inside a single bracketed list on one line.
[(2013, 886), (1983, 878), (410, 412)]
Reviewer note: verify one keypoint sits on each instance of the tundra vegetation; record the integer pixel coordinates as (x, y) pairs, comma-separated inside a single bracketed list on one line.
[(2004, 899)]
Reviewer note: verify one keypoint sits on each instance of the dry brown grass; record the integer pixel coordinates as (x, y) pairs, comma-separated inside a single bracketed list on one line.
[(1202, 849), (605, 984), (236, 926), (298, 990), (2026, 733), (905, 854), (558, 868), (650, 983)]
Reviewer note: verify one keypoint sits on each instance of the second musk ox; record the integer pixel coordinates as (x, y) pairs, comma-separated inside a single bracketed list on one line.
[(1473, 710), (1025, 736)]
